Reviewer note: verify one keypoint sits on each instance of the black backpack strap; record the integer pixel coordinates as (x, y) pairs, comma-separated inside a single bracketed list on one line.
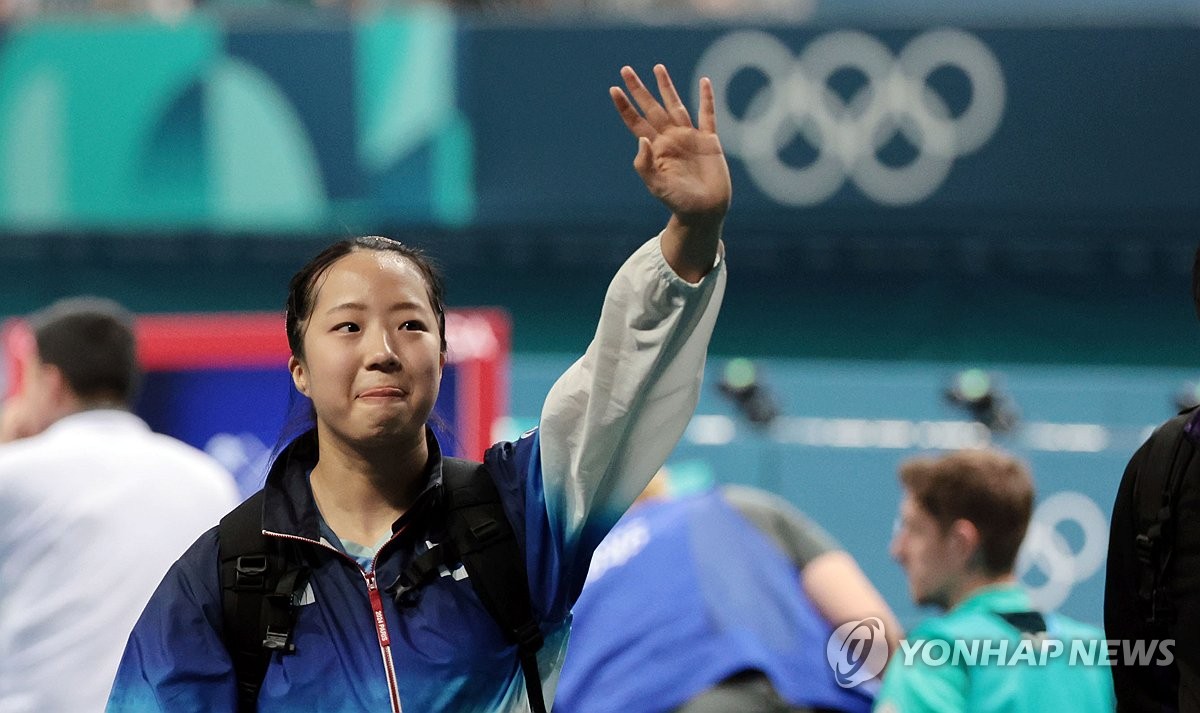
[(1171, 455), (421, 571), (258, 587), (483, 539)]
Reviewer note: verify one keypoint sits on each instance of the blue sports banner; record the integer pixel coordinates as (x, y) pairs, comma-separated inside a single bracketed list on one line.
[(933, 129)]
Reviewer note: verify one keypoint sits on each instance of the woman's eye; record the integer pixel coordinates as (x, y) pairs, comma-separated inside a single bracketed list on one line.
[(413, 325), (346, 327)]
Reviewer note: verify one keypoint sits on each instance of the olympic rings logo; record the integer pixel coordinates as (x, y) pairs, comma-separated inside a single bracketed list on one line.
[(1045, 548), (847, 135)]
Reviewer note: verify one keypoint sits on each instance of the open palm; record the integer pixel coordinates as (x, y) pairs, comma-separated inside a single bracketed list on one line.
[(681, 164)]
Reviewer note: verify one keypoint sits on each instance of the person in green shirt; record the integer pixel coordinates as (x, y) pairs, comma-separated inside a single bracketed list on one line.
[(962, 519)]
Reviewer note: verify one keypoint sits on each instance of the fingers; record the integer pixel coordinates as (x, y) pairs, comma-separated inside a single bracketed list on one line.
[(666, 89), (656, 117), (708, 110), (653, 111), (631, 117), (644, 161)]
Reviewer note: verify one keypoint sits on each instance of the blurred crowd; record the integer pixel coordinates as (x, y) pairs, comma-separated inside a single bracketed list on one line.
[(641, 11)]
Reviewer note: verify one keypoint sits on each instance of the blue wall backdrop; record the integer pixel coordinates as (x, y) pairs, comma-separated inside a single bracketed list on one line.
[(845, 426)]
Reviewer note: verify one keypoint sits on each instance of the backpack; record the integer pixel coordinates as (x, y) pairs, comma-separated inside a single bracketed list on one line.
[(261, 576), (1151, 590)]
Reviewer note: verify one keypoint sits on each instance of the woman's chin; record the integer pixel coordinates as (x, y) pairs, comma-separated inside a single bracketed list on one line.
[(390, 433)]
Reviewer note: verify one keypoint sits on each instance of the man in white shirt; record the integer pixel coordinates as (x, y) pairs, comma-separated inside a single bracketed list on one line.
[(94, 508)]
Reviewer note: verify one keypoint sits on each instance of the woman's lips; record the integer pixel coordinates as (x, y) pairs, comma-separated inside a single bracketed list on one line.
[(384, 392)]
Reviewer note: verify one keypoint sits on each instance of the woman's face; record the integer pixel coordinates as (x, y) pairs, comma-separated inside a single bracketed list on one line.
[(372, 360)]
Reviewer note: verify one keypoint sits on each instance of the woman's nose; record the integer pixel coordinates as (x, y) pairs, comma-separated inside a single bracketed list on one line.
[(384, 355)]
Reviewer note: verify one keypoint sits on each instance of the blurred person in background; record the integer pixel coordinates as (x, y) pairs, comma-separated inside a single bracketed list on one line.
[(94, 508), (360, 497), (962, 520), (665, 12), (167, 11), (718, 601)]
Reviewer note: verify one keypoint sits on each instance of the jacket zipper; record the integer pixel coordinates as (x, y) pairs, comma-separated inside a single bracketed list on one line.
[(377, 616), (385, 641)]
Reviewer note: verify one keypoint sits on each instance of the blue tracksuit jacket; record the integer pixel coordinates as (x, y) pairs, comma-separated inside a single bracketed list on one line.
[(607, 425)]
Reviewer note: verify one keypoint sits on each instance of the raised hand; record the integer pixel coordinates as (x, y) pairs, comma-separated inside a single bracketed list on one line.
[(681, 164)]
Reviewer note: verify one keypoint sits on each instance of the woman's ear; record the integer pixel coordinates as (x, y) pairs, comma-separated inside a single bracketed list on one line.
[(299, 375)]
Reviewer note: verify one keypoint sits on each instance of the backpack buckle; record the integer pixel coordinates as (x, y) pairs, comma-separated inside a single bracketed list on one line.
[(403, 592), (1162, 612), (486, 532), (1144, 546), (249, 572), (418, 573), (278, 641), (529, 635)]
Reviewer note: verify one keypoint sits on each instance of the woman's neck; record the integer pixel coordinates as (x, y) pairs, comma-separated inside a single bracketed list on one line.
[(361, 493)]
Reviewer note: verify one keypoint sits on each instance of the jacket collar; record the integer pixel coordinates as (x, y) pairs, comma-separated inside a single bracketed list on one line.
[(289, 507)]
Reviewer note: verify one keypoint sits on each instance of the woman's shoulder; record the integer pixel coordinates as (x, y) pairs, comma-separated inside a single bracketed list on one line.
[(205, 546), (198, 569), (519, 454)]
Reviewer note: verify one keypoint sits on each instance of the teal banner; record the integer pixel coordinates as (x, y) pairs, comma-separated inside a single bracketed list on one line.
[(209, 126)]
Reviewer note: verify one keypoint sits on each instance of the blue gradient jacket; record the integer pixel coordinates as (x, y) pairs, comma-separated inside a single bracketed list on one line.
[(607, 425)]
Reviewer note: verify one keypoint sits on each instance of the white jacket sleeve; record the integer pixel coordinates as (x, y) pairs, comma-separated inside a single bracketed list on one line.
[(614, 416)]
